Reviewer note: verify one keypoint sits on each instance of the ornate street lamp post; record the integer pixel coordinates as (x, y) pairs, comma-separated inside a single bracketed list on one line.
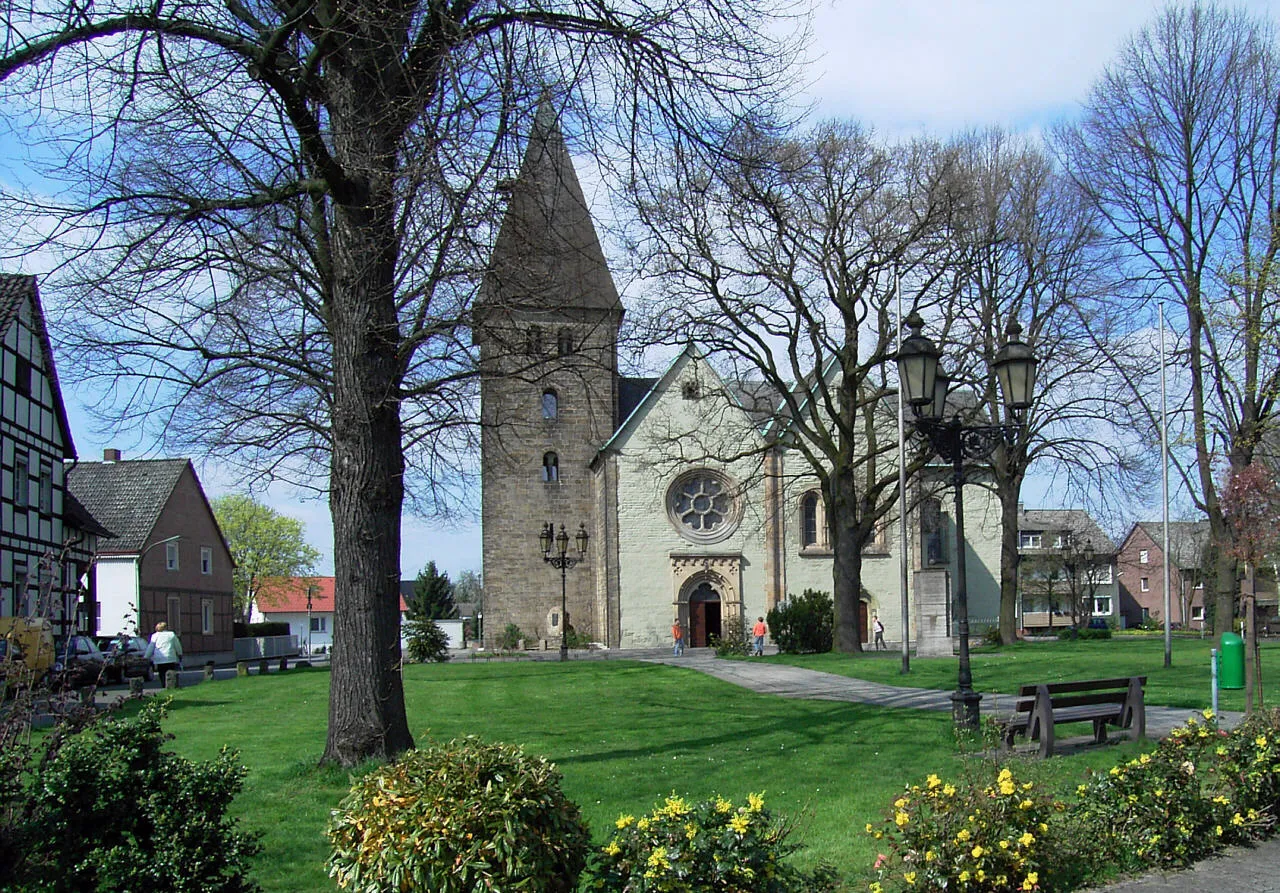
[(561, 559), (925, 386)]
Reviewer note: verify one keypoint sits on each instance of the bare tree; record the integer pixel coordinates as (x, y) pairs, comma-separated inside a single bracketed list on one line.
[(1032, 253), (278, 216), (782, 263), (1177, 149)]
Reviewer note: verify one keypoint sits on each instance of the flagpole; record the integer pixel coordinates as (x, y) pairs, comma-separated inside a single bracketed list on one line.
[(902, 500), (1164, 476)]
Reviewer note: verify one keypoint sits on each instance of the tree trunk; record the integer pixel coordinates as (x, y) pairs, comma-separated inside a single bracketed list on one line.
[(1009, 561), (366, 694), (847, 540)]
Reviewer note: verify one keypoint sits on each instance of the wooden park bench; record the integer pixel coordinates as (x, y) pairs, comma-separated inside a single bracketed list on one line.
[(1104, 702)]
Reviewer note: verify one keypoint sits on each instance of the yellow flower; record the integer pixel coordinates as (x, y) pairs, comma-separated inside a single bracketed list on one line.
[(962, 835), (1004, 775), (690, 831), (869, 829), (1002, 880), (624, 821), (612, 849), (755, 802), (964, 877), (933, 781), (1033, 878), (643, 824), (1115, 770), (1080, 789), (1004, 844), (1237, 820), (1207, 713), (1007, 787), (979, 875), (909, 877), (1026, 839), (875, 887), (1217, 829), (658, 860), (1221, 800), (1043, 828), (675, 806), (949, 790), (1261, 741), (901, 803), (740, 823), (977, 851), (901, 819), (930, 855), (723, 805), (1025, 804)]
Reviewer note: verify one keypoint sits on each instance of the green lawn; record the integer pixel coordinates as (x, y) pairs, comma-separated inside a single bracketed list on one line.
[(624, 734), (1184, 684)]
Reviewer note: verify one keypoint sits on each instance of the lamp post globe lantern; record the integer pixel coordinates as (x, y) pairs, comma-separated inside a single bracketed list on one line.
[(925, 388)]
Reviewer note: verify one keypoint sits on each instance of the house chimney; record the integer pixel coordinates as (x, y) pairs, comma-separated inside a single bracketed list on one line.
[(110, 455)]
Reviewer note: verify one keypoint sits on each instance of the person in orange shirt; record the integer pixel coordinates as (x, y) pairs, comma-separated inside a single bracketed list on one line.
[(759, 631), (677, 636)]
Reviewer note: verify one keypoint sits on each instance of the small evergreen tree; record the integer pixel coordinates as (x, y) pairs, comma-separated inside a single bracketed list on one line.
[(432, 596)]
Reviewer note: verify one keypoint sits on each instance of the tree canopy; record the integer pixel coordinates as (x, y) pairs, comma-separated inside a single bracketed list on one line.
[(268, 548)]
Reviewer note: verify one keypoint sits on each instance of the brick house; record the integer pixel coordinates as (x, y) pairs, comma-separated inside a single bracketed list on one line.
[(1140, 570), (168, 561)]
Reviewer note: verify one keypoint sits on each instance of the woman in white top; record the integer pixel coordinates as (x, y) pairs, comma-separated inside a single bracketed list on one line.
[(164, 650)]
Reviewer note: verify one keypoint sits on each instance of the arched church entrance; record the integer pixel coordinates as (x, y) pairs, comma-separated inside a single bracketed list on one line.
[(704, 614)]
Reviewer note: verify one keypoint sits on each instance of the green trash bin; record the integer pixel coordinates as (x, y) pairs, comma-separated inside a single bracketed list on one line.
[(1231, 662)]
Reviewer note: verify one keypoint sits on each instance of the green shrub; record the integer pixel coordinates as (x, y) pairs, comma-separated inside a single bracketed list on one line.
[(733, 638), (112, 811), (577, 640), (463, 816), (268, 628), (978, 837), (803, 625), (427, 642), (703, 847), (510, 638)]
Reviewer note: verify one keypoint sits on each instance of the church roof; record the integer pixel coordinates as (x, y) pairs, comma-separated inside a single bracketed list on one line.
[(547, 255)]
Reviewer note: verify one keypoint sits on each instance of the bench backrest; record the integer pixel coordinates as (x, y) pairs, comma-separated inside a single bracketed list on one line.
[(1079, 693)]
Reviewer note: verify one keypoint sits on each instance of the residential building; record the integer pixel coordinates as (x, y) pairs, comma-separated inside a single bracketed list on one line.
[(47, 540), (1066, 570), (168, 561), (694, 507), (306, 604), (1141, 573)]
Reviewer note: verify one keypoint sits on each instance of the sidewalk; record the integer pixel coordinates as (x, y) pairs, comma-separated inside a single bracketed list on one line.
[(1238, 870)]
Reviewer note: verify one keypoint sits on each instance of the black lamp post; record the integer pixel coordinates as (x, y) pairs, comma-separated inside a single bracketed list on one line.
[(563, 560), (925, 387), (310, 591)]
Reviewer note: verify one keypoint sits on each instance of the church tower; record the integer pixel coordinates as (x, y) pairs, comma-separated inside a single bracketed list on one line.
[(547, 325)]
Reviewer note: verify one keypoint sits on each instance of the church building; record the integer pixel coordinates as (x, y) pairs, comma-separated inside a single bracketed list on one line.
[(692, 510)]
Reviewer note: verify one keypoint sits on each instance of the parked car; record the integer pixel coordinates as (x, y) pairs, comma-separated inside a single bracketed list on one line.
[(78, 661), (125, 657)]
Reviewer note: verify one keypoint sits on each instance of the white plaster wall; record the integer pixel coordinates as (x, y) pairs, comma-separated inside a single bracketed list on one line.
[(676, 435), (117, 580)]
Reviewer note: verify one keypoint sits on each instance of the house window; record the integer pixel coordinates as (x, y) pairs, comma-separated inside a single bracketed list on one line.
[(1145, 584), (1144, 556), (46, 488), (1199, 584), (171, 556), (24, 374), (564, 342), (550, 404), (1102, 606), (21, 480), (809, 504), (1197, 612), (206, 616), (1062, 541), (206, 560), (550, 467), (318, 624), (1029, 539)]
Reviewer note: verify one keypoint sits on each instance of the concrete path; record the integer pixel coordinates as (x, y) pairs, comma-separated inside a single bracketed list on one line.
[(1238, 870)]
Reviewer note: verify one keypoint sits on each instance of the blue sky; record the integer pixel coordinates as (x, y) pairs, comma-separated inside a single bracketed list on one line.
[(904, 67)]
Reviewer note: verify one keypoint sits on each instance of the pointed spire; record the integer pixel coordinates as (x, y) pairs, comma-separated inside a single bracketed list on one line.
[(547, 253)]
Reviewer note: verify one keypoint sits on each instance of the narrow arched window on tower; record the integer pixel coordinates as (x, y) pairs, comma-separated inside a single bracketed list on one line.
[(564, 342), (550, 404), (809, 520), (533, 341), (550, 467)]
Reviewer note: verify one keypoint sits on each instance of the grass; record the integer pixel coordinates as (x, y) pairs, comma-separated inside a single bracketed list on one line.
[(623, 734), (1184, 684)]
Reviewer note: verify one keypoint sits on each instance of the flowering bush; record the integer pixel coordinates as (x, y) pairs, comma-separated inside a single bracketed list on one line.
[(990, 837), (463, 816), (1177, 804), (1250, 762), (703, 847)]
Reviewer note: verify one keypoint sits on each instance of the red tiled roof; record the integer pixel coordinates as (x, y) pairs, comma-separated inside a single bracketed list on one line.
[(289, 596)]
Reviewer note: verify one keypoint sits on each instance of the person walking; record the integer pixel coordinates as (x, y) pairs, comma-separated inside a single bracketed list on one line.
[(878, 626), (677, 637), (165, 651), (759, 631)]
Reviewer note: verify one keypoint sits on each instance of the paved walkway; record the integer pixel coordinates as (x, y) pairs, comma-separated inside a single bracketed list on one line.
[(1239, 870)]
